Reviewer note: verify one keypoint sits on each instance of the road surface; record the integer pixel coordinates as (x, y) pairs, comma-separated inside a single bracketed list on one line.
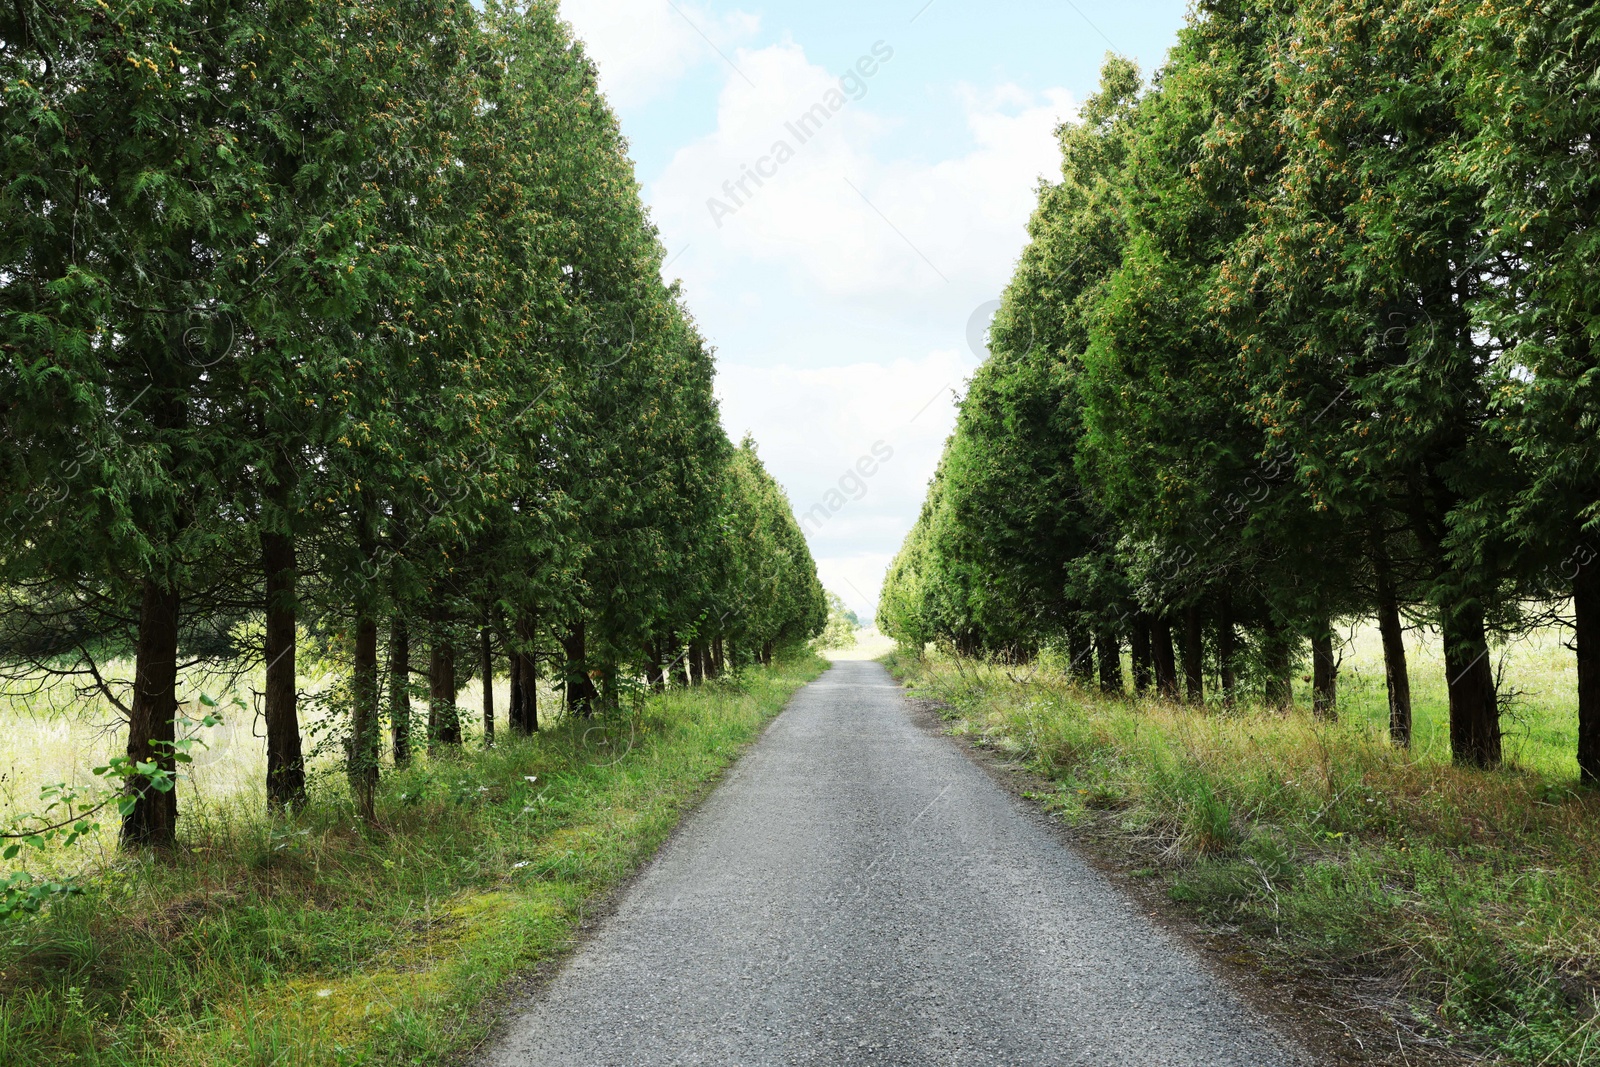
[(858, 891)]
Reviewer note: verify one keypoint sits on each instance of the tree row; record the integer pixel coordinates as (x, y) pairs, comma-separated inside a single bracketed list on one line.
[(1306, 331), (342, 322)]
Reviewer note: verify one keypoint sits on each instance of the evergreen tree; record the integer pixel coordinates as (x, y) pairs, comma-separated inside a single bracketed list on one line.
[(1530, 114)]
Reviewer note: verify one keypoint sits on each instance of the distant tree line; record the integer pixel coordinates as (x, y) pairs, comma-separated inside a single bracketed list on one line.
[(1306, 331), (342, 321)]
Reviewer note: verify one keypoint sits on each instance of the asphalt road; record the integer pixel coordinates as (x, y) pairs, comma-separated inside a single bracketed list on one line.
[(858, 891)]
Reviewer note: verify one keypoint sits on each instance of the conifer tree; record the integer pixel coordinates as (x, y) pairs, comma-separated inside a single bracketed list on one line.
[(1529, 115)]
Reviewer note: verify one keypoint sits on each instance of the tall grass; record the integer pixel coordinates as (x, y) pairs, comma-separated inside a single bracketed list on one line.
[(319, 940), (50, 732), (1472, 893)]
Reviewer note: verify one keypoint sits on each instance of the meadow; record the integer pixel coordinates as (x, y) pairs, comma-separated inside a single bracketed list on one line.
[(55, 733), (1538, 681)]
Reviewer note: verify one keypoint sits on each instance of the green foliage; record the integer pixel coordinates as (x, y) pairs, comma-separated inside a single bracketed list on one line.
[(840, 631), (1305, 331), (343, 314), (767, 592)]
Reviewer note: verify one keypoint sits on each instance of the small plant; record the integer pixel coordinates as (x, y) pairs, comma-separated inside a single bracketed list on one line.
[(68, 813)]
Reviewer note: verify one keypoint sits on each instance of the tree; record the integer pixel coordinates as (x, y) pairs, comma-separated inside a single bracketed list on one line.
[(1366, 263), (1530, 114), (840, 631), (348, 319)]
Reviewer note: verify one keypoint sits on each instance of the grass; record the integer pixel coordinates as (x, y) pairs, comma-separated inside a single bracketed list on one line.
[(320, 941), (1470, 894)]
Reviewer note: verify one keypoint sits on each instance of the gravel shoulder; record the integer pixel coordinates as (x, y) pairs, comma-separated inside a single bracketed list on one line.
[(858, 891)]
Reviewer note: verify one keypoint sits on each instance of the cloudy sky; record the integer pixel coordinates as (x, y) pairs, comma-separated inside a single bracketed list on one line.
[(843, 187)]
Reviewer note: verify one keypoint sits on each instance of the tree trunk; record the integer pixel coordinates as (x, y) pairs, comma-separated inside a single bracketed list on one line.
[(486, 668), (1324, 675), (655, 654), (1227, 650), (530, 689), (400, 689), (444, 720), (1396, 677), (1166, 664), (1193, 656), (579, 686), (361, 748), (766, 653), (717, 663), (1080, 645), (1143, 658), (151, 726), (361, 763), (1474, 709), (672, 656), (1109, 651), (514, 672), (1277, 660), (286, 765), (523, 715), (1586, 608)]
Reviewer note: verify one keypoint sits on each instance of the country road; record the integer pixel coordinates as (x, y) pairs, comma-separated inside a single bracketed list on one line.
[(858, 891)]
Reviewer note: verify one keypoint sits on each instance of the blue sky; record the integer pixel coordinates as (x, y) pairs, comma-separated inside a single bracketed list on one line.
[(839, 264)]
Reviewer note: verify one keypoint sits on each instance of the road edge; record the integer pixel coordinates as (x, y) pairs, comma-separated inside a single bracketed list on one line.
[(1312, 1020), (522, 992)]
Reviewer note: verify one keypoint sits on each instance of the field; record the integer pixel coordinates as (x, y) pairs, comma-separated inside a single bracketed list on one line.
[(59, 735), (1538, 683), (316, 940), (1457, 905)]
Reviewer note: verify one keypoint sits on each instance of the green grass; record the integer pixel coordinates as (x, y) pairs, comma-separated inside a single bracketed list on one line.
[(319, 941), (1472, 893)]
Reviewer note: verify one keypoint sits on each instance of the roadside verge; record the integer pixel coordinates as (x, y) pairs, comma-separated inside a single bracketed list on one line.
[(319, 942), (1409, 911)]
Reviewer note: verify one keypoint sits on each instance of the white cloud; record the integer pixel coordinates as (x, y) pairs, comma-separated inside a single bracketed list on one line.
[(807, 268), (855, 579), (961, 218), (643, 46), (805, 248)]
